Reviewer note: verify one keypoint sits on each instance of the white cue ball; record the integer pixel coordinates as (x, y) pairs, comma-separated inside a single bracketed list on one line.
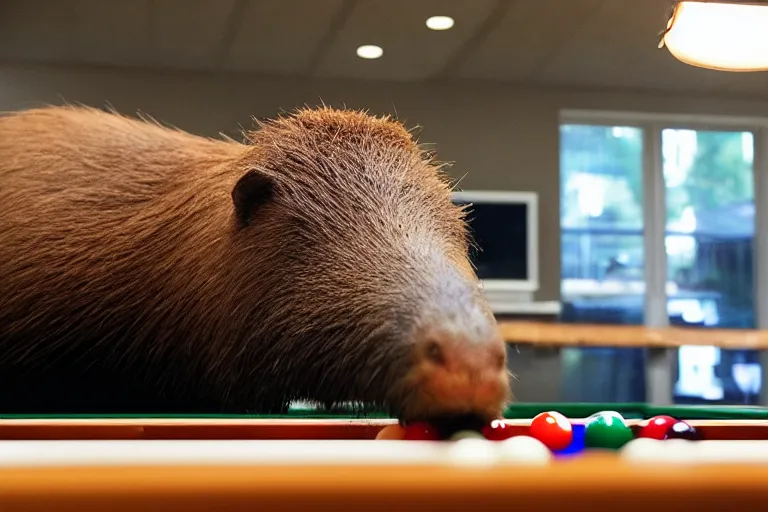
[(640, 448), (524, 450), (472, 452), (670, 451)]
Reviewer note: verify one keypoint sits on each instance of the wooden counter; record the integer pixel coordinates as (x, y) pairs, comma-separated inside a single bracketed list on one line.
[(585, 335)]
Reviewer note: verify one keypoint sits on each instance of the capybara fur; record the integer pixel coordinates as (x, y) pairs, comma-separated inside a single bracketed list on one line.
[(146, 269)]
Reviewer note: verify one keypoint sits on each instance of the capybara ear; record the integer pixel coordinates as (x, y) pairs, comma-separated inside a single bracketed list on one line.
[(251, 192)]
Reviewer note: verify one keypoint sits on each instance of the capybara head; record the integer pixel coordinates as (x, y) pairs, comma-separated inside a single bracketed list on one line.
[(353, 262)]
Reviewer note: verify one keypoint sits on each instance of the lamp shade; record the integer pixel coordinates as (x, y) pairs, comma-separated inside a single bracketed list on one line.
[(725, 35)]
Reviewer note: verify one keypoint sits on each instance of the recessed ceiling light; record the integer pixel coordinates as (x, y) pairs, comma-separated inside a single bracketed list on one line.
[(439, 22), (369, 51)]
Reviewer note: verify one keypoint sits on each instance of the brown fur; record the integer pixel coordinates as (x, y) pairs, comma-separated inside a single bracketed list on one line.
[(129, 282)]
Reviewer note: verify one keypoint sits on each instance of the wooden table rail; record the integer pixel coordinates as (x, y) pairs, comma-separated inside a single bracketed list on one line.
[(590, 335), (600, 481)]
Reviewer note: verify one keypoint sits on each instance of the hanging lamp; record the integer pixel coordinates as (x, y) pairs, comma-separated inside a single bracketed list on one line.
[(725, 35)]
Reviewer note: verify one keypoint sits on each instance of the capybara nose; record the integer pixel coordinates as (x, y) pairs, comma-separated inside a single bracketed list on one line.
[(461, 373), (457, 354)]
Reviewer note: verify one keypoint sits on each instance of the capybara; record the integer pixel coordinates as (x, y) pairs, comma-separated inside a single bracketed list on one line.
[(146, 269)]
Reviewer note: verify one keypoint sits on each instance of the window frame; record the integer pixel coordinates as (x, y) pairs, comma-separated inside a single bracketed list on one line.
[(659, 362)]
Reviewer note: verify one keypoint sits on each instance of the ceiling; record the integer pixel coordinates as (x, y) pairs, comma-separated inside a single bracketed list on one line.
[(594, 43)]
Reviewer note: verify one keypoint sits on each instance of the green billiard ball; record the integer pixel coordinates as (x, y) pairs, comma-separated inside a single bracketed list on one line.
[(466, 434), (607, 413), (606, 430)]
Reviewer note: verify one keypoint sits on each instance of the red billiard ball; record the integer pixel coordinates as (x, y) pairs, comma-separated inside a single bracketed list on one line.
[(553, 429), (656, 427), (421, 431), (497, 430)]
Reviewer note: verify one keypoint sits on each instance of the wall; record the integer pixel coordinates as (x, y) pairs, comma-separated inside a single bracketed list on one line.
[(489, 137), (499, 136)]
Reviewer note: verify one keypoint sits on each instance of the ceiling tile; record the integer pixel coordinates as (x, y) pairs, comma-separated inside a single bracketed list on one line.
[(530, 32), (189, 33), (597, 43), (38, 30), (114, 32), (281, 37), (75, 31), (411, 50), (752, 84), (618, 47)]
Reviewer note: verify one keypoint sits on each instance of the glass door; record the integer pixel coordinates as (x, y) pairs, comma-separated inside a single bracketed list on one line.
[(710, 213), (602, 260)]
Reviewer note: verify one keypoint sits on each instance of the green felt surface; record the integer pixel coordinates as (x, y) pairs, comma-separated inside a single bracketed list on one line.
[(516, 411)]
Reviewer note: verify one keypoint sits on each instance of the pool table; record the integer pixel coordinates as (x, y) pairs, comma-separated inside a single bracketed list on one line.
[(309, 459)]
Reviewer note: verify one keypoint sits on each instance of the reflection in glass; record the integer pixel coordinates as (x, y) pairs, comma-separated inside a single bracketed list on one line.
[(602, 255), (709, 243)]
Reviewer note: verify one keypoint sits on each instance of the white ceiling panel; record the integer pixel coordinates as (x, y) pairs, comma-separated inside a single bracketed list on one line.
[(600, 43), (82, 31), (752, 84), (190, 33), (36, 30), (411, 50), (618, 45), (282, 37), (113, 32), (530, 33)]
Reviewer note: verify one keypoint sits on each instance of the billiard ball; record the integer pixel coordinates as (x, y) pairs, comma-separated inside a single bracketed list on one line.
[(524, 450), (656, 451), (606, 430), (606, 413), (656, 427), (420, 431), (466, 434), (473, 451), (682, 430), (553, 429), (391, 432), (497, 430)]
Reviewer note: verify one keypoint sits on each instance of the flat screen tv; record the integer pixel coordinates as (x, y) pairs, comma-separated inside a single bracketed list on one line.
[(504, 226)]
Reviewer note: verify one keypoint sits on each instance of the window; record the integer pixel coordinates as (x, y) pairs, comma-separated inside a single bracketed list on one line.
[(705, 235), (601, 205), (602, 223), (710, 216)]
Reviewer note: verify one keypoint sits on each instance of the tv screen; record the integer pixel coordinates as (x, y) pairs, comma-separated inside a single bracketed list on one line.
[(500, 230)]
